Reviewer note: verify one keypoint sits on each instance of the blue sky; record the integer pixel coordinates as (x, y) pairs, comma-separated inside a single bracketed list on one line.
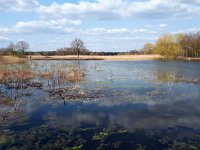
[(104, 25)]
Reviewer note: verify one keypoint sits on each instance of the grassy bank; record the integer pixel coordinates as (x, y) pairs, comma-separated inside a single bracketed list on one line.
[(15, 59), (12, 59), (88, 57)]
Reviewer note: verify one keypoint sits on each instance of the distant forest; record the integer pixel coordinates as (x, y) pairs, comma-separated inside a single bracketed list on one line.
[(170, 46), (77, 46)]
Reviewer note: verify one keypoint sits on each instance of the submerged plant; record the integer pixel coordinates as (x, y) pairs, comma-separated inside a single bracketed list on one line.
[(101, 136), (74, 147), (2, 140)]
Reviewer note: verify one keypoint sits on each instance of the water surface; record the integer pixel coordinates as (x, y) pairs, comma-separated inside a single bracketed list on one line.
[(129, 105)]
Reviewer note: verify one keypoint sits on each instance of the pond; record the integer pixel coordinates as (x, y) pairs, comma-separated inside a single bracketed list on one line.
[(76, 105)]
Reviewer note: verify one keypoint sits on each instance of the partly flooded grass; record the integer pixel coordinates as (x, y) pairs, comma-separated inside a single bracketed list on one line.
[(100, 105)]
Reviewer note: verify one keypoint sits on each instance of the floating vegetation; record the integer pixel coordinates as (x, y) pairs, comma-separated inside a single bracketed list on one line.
[(141, 147), (169, 77), (6, 101), (101, 136), (177, 145), (74, 147), (67, 93), (157, 93), (3, 140)]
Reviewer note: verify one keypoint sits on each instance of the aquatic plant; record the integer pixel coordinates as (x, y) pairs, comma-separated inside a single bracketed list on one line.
[(76, 74), (15, 76), (169, 77), (74, 147), (22, 76), (2, 140), (141, 147), (177, 145), (101, 136)]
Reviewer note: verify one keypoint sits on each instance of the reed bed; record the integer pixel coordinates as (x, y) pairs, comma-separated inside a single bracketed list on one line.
[(11, 60), (58, 82), (24, 74), (17, 80)]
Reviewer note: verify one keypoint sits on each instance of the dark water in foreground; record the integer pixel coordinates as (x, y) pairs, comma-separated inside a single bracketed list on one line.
[(131, 105)]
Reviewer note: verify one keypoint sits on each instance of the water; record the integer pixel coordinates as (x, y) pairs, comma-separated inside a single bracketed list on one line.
[(129, 105)]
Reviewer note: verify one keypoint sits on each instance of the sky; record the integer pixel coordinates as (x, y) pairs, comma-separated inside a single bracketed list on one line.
[(103, 25)]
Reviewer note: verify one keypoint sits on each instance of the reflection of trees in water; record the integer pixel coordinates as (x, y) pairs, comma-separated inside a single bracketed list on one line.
[(166, 81), (173, 71)]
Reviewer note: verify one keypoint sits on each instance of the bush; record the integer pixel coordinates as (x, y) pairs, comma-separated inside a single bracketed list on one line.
[(169, 46)]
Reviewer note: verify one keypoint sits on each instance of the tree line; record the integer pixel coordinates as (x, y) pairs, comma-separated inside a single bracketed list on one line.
[(18, 49), (173, 46), (77, 47), (170, 46)]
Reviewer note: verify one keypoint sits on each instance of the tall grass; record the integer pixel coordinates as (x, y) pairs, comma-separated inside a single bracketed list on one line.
[(12, 60), (15, 75)]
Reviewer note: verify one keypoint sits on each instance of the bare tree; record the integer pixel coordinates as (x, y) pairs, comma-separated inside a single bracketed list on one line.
[(11, 48), (78, 46), (22, 46)]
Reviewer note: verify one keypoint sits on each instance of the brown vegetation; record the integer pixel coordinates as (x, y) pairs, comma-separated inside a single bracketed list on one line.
[(11, 60), (17, 76), (89, 57), (169, 77)]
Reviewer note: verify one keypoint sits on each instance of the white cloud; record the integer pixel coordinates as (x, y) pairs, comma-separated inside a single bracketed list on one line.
[(115, 9), (100, 9), (189, 30), (50, 23), (193, 29), (163, 9), (106, 31), (3, 39), (144, 30), (118, 31), (18, 5), (42, 26), (163, 25), (59, 19), (141, 30)]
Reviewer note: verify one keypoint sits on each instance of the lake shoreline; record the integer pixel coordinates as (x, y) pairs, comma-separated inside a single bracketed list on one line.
[(110, 58), (14, 59), (96, 57)]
